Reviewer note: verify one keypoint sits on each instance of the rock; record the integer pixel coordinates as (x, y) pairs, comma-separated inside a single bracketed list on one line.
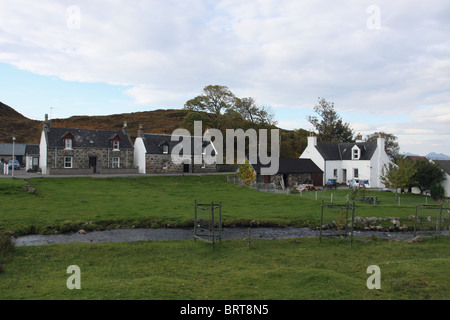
[(81, 231), (396, 223), (411, 217), (429, 219), (415, 239)]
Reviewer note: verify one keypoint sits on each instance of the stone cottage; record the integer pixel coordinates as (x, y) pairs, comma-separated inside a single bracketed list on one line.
[(291, 172), (153, 154), (85, 151)]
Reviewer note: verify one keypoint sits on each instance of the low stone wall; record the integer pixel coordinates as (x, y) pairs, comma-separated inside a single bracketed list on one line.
[(89, 171)]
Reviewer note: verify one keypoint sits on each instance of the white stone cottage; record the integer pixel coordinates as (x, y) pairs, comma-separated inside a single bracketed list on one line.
[(153, 154), (85, 151), (349, 163)]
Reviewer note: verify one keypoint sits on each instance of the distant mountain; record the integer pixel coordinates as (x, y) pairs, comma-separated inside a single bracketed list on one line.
[(437, 156)]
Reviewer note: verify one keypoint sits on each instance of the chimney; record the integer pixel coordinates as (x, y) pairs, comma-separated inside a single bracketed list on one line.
[(312, 139), (46, 123), (140, 132), (359, 138), (125, 128)]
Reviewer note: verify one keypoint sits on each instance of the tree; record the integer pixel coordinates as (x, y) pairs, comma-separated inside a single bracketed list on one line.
[(391, 145), (330, 128), (427, 175), (224, 106), (246, 173), (215, 99), (249, 111), (400, 175)]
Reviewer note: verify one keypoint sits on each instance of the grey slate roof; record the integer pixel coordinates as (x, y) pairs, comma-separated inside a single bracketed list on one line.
[(87, 138), (154, 142), (6, 149), (444, 164), (32, 149), (343, 151), (291, 165)]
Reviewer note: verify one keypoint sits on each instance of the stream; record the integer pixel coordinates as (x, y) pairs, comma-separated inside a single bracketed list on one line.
[(120, 235)]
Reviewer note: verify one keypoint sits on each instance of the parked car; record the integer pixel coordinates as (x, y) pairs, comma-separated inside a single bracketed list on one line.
[(16, 164)]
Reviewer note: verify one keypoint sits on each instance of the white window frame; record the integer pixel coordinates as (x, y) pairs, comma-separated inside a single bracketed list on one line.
[(115, 163), (70, 162), (116, 145), (165, 148), (68, 144), (356, 173), (165, 165)]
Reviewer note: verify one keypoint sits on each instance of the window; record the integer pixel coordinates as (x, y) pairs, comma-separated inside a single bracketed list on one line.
[(68, 162), (356, 153), (165, 165), (116, 162), (116, 145), (165, 149), (355, 173), (335, 172), (68, 144)]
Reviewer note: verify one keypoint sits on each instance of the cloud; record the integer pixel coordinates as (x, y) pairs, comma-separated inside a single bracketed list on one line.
[(285, 54)]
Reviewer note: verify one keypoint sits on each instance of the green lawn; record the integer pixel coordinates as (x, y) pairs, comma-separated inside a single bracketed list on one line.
[(68, 204), (289, 269), (270, 269)]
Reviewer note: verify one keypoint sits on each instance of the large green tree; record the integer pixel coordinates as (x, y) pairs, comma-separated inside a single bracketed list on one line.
[(330, 127), (399, 175), (427, 175), (391, 145)]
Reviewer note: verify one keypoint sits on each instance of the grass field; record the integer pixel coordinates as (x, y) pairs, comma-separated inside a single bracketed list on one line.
[(269, 269), (68, 204), (289, 269)]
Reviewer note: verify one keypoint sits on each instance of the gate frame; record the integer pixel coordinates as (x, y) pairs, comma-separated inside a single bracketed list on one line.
[(347, 207), (211, 222)]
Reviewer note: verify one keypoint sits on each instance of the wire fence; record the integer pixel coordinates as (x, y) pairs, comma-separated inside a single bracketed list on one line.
[(362, 196)]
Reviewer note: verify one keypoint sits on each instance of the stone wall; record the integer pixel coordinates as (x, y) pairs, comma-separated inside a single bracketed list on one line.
[(55, 158), (162, 163), (292, 179)]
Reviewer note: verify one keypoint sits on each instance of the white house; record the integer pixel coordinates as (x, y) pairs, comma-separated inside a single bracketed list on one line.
[(153, 154), (360, 162), (445, 166)]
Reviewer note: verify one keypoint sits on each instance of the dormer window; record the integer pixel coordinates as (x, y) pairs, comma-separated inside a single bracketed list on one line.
[(356, 153), (68, 141), (115, 141), (68, 144), (164, 147)]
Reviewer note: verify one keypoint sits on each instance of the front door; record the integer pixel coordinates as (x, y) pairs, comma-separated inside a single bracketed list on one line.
[(93, 164), (186, 167)]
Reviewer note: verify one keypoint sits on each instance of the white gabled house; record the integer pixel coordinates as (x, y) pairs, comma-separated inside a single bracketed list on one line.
[(349, 163)]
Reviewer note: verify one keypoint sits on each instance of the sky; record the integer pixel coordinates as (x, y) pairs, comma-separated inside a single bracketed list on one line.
[(384, 64)]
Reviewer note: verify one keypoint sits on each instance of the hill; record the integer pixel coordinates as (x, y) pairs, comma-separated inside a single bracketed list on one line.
[(29, 131), (15, 124), (157, 121)]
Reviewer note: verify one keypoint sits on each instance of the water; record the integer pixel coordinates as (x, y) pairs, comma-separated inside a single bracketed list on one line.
[(120, 235)]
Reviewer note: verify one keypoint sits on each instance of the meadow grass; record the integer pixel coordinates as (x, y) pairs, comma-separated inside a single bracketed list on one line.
[(294, 269), (68, 204), (288, 269)]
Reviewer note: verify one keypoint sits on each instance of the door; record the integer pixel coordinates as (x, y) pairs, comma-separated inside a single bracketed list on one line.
[(93, 164), (344, 175), (186, 167)]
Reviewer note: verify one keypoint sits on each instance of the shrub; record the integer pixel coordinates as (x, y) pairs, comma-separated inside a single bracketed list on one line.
[(437, 192), (7, 245)]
